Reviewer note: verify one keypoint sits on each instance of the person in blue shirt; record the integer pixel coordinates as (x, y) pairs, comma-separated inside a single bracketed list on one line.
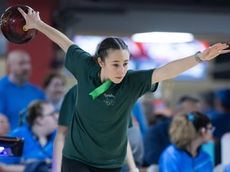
[(187, 133), (16, 92), (38, 134), (157, 137)]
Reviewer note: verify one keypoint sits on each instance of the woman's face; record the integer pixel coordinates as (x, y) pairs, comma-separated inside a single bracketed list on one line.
[(49, 118), (55, 90), (115, 65), (207, 133)]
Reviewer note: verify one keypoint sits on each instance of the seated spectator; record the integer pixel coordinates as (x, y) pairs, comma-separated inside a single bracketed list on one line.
[(4, 125), (187, 133), (157, 137), (16, 92), (38, 135), (54, 86)]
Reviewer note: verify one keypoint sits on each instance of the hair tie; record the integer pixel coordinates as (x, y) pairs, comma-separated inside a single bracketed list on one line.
[(190, 117)]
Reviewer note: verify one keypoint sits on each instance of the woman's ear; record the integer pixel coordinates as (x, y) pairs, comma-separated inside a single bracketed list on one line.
[(100, 62), (202, 131)]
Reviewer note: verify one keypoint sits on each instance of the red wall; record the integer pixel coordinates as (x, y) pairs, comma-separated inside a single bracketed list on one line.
[(40, 48)]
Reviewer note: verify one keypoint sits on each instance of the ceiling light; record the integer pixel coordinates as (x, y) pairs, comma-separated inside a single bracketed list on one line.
[(163, 37)]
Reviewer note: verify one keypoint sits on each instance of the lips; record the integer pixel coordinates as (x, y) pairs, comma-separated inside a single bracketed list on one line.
[(118, 77)]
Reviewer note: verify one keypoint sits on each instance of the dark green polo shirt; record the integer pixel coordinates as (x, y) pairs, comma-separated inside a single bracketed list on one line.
[(98, 133), (67, 107)]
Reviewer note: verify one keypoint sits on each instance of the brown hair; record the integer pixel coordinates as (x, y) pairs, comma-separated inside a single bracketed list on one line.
[(50, 77), (110, 43), (34, 111), (185, 128)]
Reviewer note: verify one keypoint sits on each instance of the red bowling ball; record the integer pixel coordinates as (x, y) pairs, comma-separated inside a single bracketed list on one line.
[(12, 23)]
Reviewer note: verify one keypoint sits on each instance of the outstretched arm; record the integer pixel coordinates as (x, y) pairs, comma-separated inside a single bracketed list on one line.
[(33, 21), (176, 67)]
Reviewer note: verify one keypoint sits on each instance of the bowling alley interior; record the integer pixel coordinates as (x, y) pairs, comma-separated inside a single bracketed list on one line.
[(156, 32)]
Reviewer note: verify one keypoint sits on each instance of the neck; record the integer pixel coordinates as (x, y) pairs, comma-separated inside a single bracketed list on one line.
[(38, 131), (193, 147), (102, 76)]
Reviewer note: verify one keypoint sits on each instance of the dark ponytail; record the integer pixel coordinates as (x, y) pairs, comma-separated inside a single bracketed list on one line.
[(110, 43)]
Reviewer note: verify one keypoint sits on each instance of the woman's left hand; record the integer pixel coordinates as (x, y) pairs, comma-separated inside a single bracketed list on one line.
[(214, 51)]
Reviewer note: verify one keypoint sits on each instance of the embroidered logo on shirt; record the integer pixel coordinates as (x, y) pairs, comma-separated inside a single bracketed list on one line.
[(109, 99)]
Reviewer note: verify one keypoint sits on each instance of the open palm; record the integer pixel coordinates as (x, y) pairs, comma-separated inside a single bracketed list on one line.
[(214, 51)]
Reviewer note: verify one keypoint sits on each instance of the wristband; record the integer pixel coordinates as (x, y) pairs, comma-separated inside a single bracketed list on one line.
[(197, 57)]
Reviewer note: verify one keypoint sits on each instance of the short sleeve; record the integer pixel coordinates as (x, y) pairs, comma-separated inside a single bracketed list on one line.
[(76, 60), (140, 82)]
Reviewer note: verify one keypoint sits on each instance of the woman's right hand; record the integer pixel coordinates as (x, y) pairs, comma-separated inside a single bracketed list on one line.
[(33, 21), (31, 18)]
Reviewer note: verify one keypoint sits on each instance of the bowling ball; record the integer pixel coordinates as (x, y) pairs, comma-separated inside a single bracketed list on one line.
[(12, 23)]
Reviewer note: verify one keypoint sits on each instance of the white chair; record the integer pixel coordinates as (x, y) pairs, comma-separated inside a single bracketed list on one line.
[(225, 149), (153, 168)]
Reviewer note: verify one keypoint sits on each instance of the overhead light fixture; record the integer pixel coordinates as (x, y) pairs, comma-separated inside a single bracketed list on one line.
[(163, 37)]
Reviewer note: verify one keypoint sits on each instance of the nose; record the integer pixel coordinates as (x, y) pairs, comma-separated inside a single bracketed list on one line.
[(122, 70)]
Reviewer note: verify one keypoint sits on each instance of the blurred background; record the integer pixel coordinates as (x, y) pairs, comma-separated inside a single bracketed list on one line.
[(156, 31), (88, 21)]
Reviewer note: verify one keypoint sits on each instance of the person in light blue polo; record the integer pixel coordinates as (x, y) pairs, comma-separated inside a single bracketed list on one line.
[(38, 134), (187, 133)]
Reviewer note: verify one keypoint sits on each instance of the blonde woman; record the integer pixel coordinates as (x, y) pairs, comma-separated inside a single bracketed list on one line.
[(187, 133)]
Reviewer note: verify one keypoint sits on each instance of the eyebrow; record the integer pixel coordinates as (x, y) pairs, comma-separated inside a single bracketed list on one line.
[(120, 61)]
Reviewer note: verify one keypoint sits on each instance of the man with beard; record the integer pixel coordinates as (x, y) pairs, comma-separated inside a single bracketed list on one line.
[(16, 92)]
